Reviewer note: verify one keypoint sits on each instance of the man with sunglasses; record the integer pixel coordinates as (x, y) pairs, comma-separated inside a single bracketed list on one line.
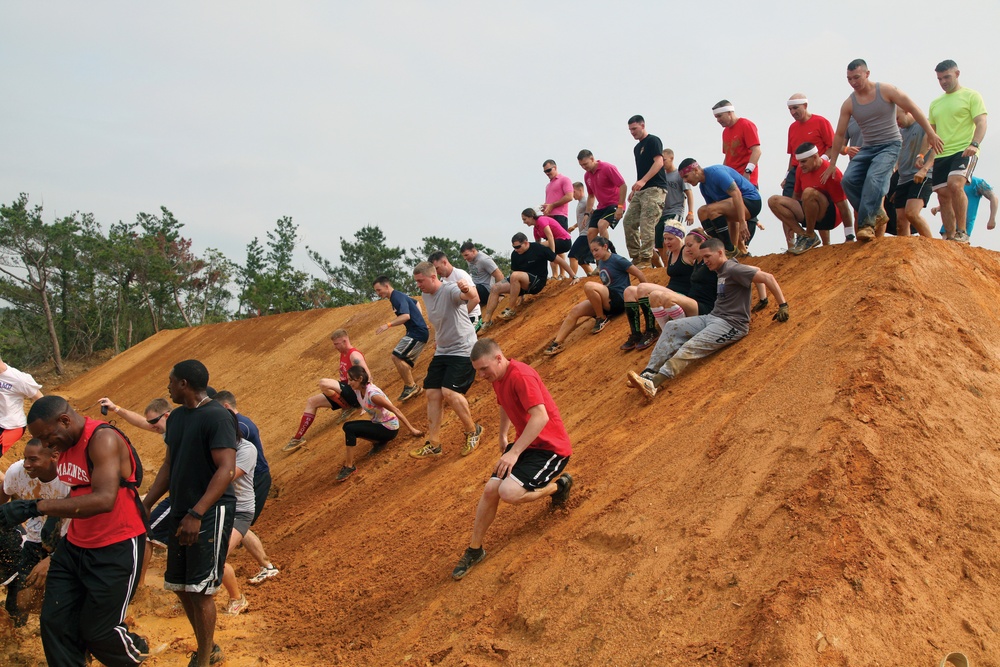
[(558, 194), (529, 268)]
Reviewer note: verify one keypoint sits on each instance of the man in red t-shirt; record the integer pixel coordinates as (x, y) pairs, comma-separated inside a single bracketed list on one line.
[(821, 206), (335, 394), (93, 573), (740, 142), (529, 468)]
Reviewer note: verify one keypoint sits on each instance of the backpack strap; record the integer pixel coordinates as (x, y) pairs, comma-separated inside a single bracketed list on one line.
[(122, 482)]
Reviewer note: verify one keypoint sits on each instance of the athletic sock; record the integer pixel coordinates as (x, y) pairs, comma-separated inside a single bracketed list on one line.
[(848, 230), (675, 312), (647, 313), (307, 420), (660, 315), (721, 226), (634, 321)]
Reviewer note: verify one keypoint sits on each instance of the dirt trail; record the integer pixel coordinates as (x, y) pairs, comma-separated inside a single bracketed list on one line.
[(825, 492)]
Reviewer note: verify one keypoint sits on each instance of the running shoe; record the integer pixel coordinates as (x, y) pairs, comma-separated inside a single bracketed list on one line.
[(410, 392), (427, 451), (648, 340), (809, 243), (564, 484), (866, 233), (599, 325), (791, 249), (508, 313), (293, 444), (643, 383), (266, 572), (235, 608), (472, 440), (484, 326), (465, 563), (848, 238), (217, 658), (345, 472), (630, 342), (553, 349), (346, 414), (961, 237)]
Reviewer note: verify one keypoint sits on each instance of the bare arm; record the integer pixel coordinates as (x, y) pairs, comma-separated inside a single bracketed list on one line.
[(637, 274), (133, 418), (106, 452), (622, 194), (160, 485), (978, 135), (656, 168), (383, 402), (992, 197), (591, 202), (498, 275), (689, 195), (358, 359), (394, 322), (772, 285), (754, 155)]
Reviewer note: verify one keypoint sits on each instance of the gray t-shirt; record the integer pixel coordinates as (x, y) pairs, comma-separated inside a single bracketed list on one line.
[(913, 138), (246, 460), (481, 269), (460, 274), (581, 208), (673, 207), (733, 300), (454, 333)]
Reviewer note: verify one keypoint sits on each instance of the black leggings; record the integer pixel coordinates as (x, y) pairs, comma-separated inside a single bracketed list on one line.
[(367, 430)]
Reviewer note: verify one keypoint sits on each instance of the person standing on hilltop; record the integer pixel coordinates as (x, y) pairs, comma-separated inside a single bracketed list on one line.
[(333, 393), (15, 388), (866, 180), (647, 195), (531, 467)]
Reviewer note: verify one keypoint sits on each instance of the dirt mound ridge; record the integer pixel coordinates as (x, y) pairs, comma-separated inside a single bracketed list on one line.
[(824, 492)]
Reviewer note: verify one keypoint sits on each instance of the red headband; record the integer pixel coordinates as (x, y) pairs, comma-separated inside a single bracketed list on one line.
[(686, 170)]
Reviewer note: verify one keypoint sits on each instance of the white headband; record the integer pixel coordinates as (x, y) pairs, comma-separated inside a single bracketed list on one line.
[(797, 102), (808, 154), (722, 110)]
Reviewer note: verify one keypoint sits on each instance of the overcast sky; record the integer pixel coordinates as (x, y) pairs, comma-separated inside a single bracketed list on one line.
[(426, 117)]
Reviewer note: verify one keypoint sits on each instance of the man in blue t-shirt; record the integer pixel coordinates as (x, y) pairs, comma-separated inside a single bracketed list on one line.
[(730, 199), (410, 346), (604, 299), (975, 190)]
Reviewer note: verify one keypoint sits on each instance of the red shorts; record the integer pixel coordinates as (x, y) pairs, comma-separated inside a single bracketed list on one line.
[(8, 436)]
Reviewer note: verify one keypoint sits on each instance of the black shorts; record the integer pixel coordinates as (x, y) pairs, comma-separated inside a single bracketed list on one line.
[(563, 246), (158, 532), (617, 304), (450, 372), (562, 220), (705, 307), (261, 489), (789, 188), (484, 294), (580, 250), (829, 219), (912, 190), (348, 397), (535, 468), (953, 165), (535, 283), (198, 568), (607, 213), (754, 206)]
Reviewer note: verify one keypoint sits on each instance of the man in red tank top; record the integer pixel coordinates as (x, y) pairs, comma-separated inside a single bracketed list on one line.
[(335, 394), (93, 572)]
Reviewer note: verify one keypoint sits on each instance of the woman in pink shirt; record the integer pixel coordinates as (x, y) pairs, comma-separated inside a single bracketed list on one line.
[(550, 234)]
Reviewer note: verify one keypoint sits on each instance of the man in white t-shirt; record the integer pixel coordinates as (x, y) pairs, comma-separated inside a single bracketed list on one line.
[(34, 478), (15, 387), (451, 274)]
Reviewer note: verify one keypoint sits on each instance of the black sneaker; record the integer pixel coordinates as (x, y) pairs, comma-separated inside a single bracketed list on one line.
[(565, 483), (630, 343), (648, 340), (465, 563), (345, 472), (216, 658)]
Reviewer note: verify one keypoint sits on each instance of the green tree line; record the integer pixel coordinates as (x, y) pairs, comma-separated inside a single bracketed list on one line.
[(69, 288)]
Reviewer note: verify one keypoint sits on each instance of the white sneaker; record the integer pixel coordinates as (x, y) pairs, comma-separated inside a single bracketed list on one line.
[(264, 574)]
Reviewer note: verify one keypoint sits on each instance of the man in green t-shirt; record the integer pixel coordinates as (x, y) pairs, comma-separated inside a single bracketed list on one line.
[(959, 118)]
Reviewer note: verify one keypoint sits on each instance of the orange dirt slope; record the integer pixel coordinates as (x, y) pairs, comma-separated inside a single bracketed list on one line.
[(824, 492)]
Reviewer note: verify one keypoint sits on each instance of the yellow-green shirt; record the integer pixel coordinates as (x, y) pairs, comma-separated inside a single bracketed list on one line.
[(952, 117)]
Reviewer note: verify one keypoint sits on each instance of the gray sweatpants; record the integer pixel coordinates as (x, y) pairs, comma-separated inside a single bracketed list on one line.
[(691, 338)]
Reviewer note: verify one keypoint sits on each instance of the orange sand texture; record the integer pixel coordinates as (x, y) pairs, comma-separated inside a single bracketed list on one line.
[(824, 492)]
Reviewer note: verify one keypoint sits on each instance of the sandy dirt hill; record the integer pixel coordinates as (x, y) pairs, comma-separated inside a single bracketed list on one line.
[(824, 492)]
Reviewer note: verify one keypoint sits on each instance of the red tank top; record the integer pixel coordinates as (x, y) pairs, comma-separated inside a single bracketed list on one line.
[(345, 363), (121, 523)]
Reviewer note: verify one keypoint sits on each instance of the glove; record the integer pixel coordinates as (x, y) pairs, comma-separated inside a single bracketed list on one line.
[(761, 305), (782, 314), (17, 512)]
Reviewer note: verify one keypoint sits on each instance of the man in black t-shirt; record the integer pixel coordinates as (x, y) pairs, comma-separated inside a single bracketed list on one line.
[(198, 469), (529, 269), (647, 195)]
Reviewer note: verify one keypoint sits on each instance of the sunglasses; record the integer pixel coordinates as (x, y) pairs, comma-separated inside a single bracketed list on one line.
[(550, 170), (152, 422), (517, 246)]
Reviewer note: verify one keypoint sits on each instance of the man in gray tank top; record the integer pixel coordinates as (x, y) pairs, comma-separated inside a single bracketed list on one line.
[(866, 180)]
